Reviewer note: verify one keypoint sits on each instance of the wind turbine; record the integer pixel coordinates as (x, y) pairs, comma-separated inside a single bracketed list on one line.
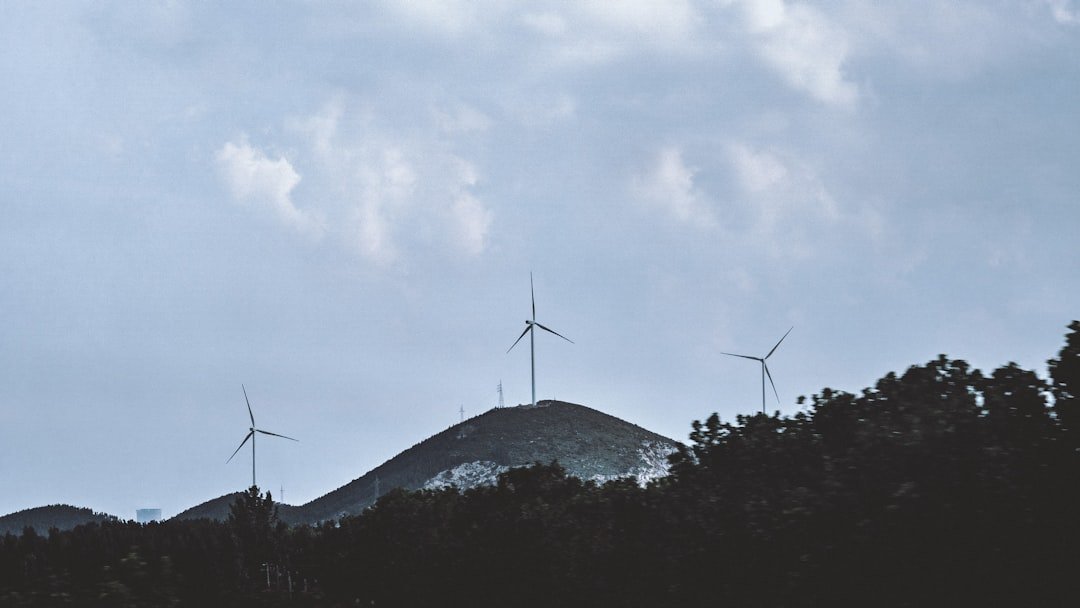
[(251, 436), (765, 370), (529, 325)]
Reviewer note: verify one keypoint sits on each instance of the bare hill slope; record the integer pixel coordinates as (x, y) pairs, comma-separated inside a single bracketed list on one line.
[(588, 443)]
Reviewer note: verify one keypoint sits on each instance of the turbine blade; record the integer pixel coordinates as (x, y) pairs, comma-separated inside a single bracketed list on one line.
[(532, 293), (274, 434), (527, 328), (771, 382), (249, 405), (778, 343), (246, 437), (743, 356), (555, 332)]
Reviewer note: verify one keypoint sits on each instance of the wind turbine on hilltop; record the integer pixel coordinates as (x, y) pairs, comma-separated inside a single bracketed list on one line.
[(765, 370), (529, 326), (251, 436)]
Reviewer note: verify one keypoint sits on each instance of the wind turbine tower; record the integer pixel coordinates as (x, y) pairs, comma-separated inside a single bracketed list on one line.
[(251, 435), (529, 326), (765, 369)]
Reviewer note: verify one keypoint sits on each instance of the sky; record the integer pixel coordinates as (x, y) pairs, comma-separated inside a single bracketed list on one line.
[(338, 206)]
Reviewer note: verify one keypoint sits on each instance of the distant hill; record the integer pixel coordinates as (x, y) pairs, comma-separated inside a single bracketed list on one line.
[(41, 519), (588, 443), (218, 508)]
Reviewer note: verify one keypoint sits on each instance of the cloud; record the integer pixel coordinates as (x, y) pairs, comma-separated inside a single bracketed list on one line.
[(569, 35), (452, 18), (669, 185), (663, 23), (470, 217), (550, 24), (386, 184), (782, 189), (1063, 12), (473, 221), (397, 193), (541, 110), (253, 176), (596, 32), (462, 119), (803, 46)]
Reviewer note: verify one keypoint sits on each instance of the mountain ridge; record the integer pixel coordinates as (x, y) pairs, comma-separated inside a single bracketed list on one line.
[(588, 443), (42, 519)]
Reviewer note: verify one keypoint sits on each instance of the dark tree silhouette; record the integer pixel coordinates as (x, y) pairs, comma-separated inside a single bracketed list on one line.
[(1065, 372)]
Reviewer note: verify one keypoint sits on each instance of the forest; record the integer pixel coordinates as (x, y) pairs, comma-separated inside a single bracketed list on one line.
[(940, 485)]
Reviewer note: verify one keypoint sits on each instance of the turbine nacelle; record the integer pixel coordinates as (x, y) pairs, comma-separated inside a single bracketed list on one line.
[(765, 368), (251, 435), (530, 327)]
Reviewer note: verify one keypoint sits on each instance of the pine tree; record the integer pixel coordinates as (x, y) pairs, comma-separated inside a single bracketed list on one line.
[(253, 520)]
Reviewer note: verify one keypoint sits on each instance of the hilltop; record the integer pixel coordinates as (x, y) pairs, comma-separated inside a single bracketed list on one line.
[(588, 443), (41, 519)]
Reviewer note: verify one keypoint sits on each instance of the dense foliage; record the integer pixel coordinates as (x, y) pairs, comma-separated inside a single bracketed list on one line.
[(939, 486)]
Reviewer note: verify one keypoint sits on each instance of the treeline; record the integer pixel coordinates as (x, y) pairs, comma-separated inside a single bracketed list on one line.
[(939, 486)]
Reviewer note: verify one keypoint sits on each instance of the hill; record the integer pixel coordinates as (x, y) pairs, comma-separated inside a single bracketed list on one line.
[(588, 443), (218, 508), (41, 519)]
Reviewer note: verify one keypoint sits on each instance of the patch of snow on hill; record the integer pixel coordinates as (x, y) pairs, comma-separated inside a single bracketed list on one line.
[(467, 475), (654, 461), (654, 464)]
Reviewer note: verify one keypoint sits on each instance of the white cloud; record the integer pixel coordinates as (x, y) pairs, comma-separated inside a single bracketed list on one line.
[(473, 221), (1063, 12), (598, 32), (385, 187), (670, 186), (664, 23), (758, 172), (782, 189), (252, 176), (802, 45), (397, 193), (470, 217)]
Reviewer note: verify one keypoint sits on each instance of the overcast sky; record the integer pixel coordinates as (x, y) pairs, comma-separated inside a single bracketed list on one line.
[(339, 206)]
